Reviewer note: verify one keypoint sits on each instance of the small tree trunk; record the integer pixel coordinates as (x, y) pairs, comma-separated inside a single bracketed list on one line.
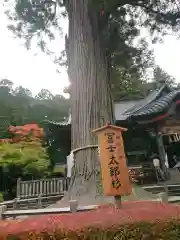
[(91, 99)]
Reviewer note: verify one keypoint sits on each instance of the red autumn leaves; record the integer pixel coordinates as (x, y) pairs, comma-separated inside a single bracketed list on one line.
[(28, 132), (103, 217)]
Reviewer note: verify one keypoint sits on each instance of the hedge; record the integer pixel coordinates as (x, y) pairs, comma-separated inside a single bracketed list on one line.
[(136, 220)]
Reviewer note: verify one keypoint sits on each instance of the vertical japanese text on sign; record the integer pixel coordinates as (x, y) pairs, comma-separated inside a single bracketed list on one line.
[(115, 176), (113, 163)]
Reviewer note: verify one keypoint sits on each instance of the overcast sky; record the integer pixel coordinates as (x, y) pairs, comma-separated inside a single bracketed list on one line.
[(38, 71), (34, 71)]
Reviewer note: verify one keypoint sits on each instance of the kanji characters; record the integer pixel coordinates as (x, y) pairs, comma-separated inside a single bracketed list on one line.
[(110, 137), (116, 183), (114, 171), (113, 160), (111, 148)]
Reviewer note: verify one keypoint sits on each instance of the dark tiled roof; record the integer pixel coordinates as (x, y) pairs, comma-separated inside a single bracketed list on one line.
[(120, 109), (152, 96), (65, 123), (157, 106), (126, 109)]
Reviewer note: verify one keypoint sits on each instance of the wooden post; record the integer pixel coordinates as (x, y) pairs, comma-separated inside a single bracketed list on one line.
[(66, 184), (39, 205), (163, 197), (162, 159), (15, 203), (162, 153), (2, 210), (118, 201), (41, 187), (18, 189), (73, 206)]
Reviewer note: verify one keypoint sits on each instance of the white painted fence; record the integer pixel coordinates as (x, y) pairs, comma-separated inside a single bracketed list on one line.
[(31, 203), (42, 187), (73, 207)]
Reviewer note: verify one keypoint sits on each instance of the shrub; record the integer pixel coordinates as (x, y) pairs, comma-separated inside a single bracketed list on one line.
[(136, 220), (19, 160), (1, 197)]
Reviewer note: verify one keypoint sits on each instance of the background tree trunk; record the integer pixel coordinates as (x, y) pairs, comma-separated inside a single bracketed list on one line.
[(90, 96)]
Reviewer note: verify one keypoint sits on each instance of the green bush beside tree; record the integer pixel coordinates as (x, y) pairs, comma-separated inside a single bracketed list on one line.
[(20, 160)]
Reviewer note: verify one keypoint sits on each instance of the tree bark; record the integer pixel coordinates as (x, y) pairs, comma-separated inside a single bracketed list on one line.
[(91, 99)]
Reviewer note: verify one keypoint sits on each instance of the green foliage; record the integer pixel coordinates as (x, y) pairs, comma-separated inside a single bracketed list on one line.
[(44, 94), (22, 92), (161, 76), (31, 17), (18, 107), (119, 26), (1, 197), (21, 160), (32, 159)]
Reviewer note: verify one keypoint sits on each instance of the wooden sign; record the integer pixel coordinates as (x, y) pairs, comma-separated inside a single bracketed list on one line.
[(115, 176)]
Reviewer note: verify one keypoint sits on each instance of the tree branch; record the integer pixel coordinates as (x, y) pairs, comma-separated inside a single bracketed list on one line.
[(108, 10), (164, 17)]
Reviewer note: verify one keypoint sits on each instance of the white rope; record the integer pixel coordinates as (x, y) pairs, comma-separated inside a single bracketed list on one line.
[(70, 158), (82, 148)]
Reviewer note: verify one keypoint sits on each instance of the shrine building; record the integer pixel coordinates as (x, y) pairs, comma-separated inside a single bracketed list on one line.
[(153, 125)]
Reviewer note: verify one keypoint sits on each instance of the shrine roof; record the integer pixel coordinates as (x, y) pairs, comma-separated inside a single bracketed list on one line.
[(54, 123), (66, 122), (156, 102), (159, 105)]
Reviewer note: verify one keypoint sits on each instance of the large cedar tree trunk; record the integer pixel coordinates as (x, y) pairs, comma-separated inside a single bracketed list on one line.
[(91, 98)]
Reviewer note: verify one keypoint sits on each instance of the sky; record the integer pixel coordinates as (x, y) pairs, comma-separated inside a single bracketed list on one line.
[(167, 56), (35, 70), (31, 69)]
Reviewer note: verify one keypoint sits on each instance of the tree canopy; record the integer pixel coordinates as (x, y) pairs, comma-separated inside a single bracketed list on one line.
[(21, 113), (19, 107), (119, 26), (161, 76)]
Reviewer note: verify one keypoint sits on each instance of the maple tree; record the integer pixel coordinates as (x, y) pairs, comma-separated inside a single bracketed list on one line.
[(28, 132)]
